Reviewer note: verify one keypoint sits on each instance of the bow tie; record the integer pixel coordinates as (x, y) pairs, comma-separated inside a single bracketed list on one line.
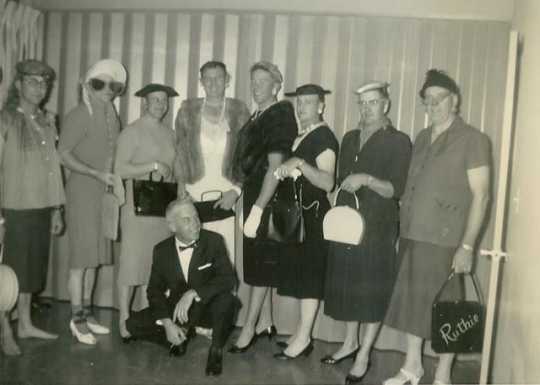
[(190, 246)]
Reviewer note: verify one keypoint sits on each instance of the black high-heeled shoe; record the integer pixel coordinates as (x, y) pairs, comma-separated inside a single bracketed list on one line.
[(127, 340), (330, 360), (236, 349), (285, 357), (351, 379), (270, 331)]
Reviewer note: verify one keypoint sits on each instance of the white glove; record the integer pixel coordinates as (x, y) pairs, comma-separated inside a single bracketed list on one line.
[(252, 222)]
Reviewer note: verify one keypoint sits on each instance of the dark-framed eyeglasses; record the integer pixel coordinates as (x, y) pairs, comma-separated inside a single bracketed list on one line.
[(370, 103), (35, 82), (98, 85)]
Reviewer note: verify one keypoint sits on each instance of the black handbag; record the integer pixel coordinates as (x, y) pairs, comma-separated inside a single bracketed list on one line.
[(151, 198), (285, 217), (457, 326), (207, 212)]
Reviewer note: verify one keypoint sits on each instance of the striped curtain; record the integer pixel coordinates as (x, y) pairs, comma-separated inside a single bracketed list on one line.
[(19, 38), (339, 52)]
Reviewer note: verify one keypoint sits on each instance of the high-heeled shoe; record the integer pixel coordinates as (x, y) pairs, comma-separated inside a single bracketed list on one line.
[(270, 332), (352, 379), (237, 349), (330, 360), (282, 344), (285, 357), (440, 382), (404, 377), (95, 327), (84, 338)]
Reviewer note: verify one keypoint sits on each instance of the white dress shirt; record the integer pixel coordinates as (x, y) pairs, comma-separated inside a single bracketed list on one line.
[(184, 257)]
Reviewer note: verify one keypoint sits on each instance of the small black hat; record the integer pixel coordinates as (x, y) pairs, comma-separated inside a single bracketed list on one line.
[(438, 78), (154, 87), (35, 67), (309, 89)]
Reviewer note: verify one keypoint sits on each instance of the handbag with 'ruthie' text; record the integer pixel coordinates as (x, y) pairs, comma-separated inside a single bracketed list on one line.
[(457, 326)]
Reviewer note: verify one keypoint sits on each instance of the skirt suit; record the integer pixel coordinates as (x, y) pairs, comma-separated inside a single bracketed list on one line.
[(360, 279)]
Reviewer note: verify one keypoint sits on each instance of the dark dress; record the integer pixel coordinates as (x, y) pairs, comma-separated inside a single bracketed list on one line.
[(359, 279), (303, 265), (273, 131)]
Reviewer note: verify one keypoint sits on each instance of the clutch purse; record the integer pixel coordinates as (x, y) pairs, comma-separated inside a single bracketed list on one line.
[(206, 210), (285, 217), (151, 198), (457, 326), (110, 215), (343, 223)]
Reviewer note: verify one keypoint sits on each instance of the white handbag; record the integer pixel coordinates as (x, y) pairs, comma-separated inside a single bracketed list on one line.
[(344, 224)]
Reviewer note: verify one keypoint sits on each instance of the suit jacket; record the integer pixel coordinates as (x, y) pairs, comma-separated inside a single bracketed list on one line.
[(189, 164), (210, 273)]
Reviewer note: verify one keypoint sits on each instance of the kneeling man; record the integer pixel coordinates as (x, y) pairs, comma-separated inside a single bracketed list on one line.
[(190, 285)]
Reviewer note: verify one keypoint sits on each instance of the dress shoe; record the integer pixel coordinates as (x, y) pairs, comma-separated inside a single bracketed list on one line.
[(127, 340), (352, 379), (330, 360), (440, 382), (285, 357), (95, 327), (404, 377), (178, 350), (282, 344), (214, 364), (236, 349), (270, 332), (83, 338)]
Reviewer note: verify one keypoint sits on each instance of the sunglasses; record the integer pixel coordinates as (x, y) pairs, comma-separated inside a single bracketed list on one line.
[(98, 85)]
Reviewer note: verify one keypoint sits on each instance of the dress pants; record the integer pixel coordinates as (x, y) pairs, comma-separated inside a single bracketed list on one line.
[(217, 314)]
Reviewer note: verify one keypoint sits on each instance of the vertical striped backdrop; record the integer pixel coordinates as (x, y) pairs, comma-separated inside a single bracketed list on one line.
[(339, 52)]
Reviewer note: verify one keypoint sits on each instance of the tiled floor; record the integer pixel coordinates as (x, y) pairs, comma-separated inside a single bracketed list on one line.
[(65, 361)]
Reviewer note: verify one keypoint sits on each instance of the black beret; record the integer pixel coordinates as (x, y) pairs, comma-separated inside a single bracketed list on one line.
[(35, 67), (438, 78), (309, 89), (154, 87)]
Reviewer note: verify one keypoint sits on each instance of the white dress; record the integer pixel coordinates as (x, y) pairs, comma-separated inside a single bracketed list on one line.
[(213, 142)]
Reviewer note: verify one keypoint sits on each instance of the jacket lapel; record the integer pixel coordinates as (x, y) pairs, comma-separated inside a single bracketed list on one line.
[(175, 263), (196, 259)]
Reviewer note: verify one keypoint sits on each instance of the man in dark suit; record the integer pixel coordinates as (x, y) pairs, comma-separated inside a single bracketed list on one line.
[(190, 285)]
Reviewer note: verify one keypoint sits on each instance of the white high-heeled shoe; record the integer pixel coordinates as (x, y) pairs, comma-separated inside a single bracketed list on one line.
[(96, 328), (439, 382), (84, 338), (404, 377)]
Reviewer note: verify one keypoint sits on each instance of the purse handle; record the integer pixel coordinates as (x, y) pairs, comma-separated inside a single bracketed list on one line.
[(211, 191), (355, 198), (461, 276), (150, 177)]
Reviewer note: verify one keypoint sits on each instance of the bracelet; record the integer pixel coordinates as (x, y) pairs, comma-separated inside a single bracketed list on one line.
[(369, 179), (467, 247)]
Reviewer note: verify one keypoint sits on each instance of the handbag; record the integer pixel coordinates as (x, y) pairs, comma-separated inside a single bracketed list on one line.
[(150, 198), (207, 211), (110, 214), (285, 217), (457, 326), (343, 223)]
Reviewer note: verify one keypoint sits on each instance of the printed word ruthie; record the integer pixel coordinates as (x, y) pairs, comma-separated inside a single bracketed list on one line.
[(451, 334)]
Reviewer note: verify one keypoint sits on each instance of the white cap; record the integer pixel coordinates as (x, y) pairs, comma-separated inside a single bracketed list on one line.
[(107, 67), (373, 85)]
